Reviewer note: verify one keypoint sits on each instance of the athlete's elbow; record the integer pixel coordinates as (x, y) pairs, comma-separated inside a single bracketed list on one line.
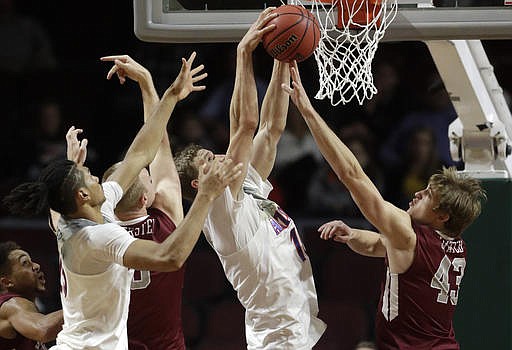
[(249, 124), (351, 180), (376, 250), (44, 334), (173, 262), (177, 262), (355, 172)]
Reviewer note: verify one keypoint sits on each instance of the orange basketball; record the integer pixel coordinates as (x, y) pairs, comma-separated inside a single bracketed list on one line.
[(296, 34)]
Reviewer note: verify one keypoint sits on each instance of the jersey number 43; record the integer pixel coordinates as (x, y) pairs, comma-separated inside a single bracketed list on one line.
[(441, 279)]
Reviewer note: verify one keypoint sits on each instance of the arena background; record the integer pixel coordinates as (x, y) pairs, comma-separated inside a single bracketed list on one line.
[(50, 58)]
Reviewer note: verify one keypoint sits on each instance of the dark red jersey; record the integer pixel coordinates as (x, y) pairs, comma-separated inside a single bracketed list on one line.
[(20, 342), (416, 307), (154, 319)]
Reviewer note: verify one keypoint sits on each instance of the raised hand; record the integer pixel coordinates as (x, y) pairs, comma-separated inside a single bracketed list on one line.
[(184, 83), (296, 91), (126, 67), (258, 29), (76, 149), (216, 175), (337, 230)]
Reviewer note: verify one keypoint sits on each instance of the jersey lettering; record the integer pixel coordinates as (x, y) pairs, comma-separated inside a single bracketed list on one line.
[(40, 346), (280, 221), (441, 279), (294, 237), (459, 264), (145, 228), (282, 218), (141, 279)]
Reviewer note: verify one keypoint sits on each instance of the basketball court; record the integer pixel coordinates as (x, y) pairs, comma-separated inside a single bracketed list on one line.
[(453, 32)]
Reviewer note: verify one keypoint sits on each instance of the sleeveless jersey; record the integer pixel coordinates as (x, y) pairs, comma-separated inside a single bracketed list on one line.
[(272, 273), (416, 307), (20, 342), (95, 304), (154, 318)]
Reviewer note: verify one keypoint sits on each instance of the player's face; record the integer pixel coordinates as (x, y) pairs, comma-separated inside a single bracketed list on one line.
[(421, 207), (205, 156), (26, 276), (146, 181), (93, 184)]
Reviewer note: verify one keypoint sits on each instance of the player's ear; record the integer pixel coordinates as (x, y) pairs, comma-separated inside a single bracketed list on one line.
[(143, 200), (5, 283), (194, 183), (82, 194)]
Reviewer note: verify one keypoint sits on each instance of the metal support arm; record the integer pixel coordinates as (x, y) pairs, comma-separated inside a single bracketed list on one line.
[(479, 136)]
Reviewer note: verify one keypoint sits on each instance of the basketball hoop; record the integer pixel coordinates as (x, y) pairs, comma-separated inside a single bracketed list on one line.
[(350, 31)]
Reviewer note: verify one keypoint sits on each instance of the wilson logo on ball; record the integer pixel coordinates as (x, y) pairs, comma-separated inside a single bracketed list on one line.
[(295, 36), (280, 48)]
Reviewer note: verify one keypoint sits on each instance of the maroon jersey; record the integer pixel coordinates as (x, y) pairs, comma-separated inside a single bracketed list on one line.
[(416, 307), (20, 342), (154, 319)]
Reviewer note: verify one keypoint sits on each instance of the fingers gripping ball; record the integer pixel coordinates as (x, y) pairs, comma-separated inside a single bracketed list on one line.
[(296, 34)]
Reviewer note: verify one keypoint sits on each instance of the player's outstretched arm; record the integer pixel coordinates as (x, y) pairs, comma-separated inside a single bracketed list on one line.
[(391, 221), (273, 115), (29, 322), (243, 112), (171, 254), (163, 170), (126, 67), (363, 242), (145, 145), (244, 101), (76, 150)]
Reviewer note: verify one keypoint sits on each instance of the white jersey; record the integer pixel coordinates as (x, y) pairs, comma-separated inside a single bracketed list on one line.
[(269, 269), (95, 286)]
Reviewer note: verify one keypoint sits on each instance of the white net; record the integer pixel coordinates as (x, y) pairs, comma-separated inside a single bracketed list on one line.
[(350, 33)]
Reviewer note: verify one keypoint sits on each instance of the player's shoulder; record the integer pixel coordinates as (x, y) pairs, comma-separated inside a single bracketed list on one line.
[(157, 212), (100, 234), (12, 303), (4, 297)]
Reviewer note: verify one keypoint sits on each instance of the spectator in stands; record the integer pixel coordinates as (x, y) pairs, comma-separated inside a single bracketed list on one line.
[(296, 161), (436, 113), (417, 163), (326, 195)]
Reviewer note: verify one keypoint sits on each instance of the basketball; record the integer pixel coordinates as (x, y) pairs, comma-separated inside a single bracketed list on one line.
[(296, 34)]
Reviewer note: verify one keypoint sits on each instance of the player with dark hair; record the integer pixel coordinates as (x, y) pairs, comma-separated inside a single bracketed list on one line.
[(97, 255), (256, 241), (22, 326), (423, 248)]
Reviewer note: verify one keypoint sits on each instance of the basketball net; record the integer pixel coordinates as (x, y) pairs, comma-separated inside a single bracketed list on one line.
[(350, 31)]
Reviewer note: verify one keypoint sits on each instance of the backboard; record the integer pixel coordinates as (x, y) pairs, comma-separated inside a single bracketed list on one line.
[(193, 21), (452, 32)]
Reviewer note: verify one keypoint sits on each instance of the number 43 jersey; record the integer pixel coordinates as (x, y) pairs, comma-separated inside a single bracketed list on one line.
[(416, 307)]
